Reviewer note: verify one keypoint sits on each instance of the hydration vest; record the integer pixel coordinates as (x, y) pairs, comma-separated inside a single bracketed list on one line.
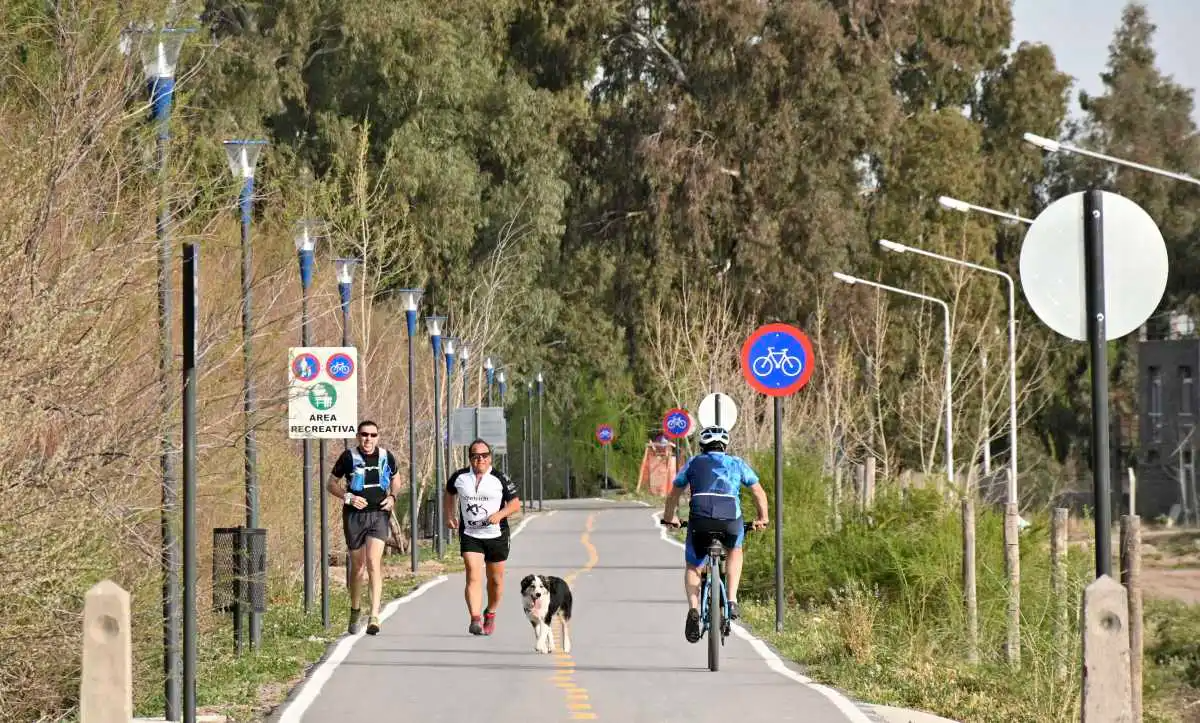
[(358, 476)]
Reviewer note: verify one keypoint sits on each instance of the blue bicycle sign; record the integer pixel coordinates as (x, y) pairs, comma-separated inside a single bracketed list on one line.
[(340, 366), (777, 360), (677, 423), (604, 434)]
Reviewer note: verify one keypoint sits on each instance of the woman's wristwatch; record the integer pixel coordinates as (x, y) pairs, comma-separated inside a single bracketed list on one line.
[(347, 498)]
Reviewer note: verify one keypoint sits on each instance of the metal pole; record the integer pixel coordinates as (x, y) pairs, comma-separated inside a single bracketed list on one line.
[(321, 452), (438, 522), (305, 276), (412, 445), (949, 412), (1012, 389), (525, 464), (778, 514), (161, 92), (605, 485), (191, 277), (1093, 254), (443, 533), (541, 459), (251, 453)]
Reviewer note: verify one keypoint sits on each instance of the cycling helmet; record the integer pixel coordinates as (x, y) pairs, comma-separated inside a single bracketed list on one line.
[(712, 436)]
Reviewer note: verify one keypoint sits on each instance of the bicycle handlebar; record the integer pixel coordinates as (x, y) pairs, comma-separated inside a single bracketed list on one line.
[(746, 526)]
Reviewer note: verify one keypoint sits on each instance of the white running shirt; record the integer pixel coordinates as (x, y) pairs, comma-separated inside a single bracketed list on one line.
[(479, 498)]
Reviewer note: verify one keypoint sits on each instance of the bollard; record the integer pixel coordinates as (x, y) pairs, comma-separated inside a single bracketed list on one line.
[(106, 683), (1107, 697)]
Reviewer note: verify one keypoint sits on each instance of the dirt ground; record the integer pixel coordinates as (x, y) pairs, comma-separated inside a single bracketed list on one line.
[(1170, 560)]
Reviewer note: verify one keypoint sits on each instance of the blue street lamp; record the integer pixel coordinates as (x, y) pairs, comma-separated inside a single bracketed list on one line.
[(159, 51), (306, 242), (243, 157), (450, 343), (411, 299), (344, 269), (434, 325), (464, 354)]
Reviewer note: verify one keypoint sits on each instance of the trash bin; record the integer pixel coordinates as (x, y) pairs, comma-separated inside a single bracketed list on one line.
[(239, 574)]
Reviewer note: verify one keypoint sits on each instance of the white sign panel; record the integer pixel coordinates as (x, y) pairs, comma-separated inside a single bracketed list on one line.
[(322, 392)]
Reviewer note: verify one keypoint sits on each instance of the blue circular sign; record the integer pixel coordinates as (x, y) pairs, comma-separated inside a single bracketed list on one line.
[(604, 434), (777, 360), (340, 366), (306, 367), (677, 423)]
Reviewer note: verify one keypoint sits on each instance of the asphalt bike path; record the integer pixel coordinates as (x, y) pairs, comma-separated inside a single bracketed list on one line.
[(629, 660)]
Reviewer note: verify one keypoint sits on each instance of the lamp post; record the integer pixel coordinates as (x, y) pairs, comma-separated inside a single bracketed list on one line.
[(490, 370), (434, 325), (1012, 560), (464, 354), (243, 157), (500, 380), (411, 298), (306, 242), (526, 477), (954, 204), (159, 51), (541, 388), (846, 278), (968, 504), (1053, 146), (1012, 349), (450, 343)]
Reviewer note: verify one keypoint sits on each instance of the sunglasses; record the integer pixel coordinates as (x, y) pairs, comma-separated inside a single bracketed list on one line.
[(480, 455), (368, 434)]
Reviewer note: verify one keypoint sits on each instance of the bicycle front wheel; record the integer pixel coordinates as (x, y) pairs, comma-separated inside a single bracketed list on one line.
[(716, 617)]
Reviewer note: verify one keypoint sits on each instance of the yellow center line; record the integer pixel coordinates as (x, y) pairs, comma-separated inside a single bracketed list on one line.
[(576, 695)]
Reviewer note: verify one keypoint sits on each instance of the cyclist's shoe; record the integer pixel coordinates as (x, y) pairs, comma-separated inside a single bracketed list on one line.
[(373, 626), (489, 622), (691, 629), (355, 621), (734, 611), (476, 626)]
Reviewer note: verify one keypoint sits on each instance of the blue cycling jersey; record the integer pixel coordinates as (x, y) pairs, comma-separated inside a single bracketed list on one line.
[(716, 480)]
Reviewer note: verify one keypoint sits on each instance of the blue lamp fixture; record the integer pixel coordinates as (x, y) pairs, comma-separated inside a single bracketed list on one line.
[(410, 299)]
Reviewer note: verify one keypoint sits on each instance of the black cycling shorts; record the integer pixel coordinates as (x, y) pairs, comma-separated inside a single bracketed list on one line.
[(358, 525), (493, 549), (701, 531)]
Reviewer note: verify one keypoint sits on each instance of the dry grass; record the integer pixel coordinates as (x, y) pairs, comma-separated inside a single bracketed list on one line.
[(79, 403)]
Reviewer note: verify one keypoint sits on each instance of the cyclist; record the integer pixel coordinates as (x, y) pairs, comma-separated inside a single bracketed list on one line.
[(715, 480)]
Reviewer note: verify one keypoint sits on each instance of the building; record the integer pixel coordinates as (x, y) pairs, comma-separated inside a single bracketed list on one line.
[(1168, 361)]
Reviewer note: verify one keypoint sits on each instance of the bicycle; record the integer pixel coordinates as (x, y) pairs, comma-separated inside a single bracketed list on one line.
[(714, 600), (781, 360)]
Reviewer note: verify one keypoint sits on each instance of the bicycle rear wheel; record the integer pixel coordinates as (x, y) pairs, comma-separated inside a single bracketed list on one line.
[(716, 616)]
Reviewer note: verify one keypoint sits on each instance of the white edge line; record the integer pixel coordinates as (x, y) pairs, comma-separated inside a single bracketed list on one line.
[(852, 712), (311, 688)]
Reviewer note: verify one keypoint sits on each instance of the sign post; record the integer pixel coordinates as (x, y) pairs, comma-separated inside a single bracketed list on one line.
[(1094, 268), (322, 392), (605, 436), (777, 360)]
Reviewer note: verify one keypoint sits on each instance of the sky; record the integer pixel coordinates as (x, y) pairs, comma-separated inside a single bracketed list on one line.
[(1079, 32)]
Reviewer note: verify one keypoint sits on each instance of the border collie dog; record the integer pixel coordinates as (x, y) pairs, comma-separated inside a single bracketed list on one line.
[(545, 596)]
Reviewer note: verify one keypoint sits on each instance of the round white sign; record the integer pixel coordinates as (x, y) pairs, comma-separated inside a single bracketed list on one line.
[(707, 413), (1053, 272)]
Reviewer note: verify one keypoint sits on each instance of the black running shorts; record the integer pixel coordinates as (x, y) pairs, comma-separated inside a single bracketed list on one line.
[(493, 549), (358, 525)]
